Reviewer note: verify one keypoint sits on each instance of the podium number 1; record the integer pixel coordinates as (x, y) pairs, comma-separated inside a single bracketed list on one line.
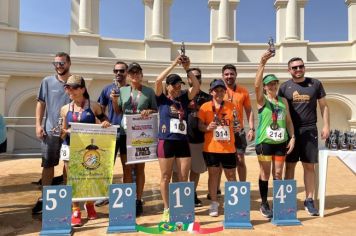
[(177, 193), (281, 194), (128, 193), (62, 193)]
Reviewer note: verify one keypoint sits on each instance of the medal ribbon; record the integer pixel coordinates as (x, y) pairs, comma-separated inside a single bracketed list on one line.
[(216, 114), (180, 109), (134, 102), (75, 117)]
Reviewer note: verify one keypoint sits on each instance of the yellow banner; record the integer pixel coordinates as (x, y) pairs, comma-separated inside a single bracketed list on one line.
[(92, 150)]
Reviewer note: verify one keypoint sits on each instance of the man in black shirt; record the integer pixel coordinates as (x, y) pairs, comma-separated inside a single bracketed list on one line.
[(303, 94)]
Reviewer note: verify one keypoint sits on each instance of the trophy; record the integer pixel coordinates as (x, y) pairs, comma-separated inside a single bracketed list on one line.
[(182, 53), (271, 48), (56, 131), (236, 122), (116, 89)]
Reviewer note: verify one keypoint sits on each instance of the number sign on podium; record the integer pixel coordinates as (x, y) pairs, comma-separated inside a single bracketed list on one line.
[(122, 208), (237, 205), (57, 210), (285, 203), (181, 202)]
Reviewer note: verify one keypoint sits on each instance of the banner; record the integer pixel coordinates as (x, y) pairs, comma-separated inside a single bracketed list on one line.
[(92, 150), (141, 136)]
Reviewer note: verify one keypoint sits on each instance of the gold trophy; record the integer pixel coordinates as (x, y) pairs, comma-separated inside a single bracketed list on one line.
[(271, 48)]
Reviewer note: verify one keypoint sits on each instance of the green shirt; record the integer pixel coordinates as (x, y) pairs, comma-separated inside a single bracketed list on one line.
[(265, 134)]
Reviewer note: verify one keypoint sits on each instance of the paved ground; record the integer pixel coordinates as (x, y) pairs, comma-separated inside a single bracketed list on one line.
[(18, 196)]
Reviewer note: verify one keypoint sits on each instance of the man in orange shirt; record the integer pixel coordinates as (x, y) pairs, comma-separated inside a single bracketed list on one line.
[(239, 96)]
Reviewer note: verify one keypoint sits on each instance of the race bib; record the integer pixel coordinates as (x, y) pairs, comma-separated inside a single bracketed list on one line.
[(64, 152), (222, 133), (177, 126), (276, 135)]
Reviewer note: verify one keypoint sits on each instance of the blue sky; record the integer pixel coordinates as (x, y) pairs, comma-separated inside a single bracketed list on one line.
[(326, 20)]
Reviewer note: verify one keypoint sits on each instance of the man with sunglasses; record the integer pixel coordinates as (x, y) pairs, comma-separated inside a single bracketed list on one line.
[(51, 97), (303, 94), (112, 91)]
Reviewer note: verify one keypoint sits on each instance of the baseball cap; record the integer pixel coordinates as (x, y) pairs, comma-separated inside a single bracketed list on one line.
[(134, 67), (269, 78), (172, 79), (75, 81), (217, 83)]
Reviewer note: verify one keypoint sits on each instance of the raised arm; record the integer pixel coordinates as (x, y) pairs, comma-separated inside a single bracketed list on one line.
[(259, 77), (164, 74)]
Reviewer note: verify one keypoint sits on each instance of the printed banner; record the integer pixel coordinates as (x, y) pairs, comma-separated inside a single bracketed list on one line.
[(141, 138), (92, 150)]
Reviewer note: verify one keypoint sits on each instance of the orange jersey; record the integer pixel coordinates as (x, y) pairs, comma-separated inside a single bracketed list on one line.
[(211, 138), (240, 98)]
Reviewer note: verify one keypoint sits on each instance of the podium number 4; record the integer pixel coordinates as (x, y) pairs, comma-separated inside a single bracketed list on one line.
[(281, 194), (128, 193), (62, 193)]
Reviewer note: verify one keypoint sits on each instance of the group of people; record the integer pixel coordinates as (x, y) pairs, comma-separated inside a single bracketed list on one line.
[(197, 131)]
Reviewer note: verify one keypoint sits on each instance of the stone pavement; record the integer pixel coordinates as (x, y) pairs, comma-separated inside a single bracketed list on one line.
[(18, 196)]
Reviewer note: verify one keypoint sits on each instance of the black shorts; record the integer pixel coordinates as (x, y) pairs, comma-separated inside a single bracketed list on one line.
[(122, 145), (3, 146), (173, 148), (306, 146), (240, 142), (271, 149), (50, 147), (226, 160)]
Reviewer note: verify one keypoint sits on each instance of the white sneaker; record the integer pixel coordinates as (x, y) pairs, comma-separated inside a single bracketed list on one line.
[(214, 209)]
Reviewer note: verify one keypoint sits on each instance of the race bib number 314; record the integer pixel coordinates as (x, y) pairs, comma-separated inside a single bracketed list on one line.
[(222, 133)]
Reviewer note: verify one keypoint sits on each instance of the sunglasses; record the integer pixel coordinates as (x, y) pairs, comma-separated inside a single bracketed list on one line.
[(119, 70), (198, 76), (59, 63), (300, 67)]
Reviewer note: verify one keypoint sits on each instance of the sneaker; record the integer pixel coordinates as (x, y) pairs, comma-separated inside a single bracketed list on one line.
[(37, 209), (139, 207), (309, 207), (197, 201), (218, 193), (76, 218), (266, 210), (165, 215), (102, 202), (89, 207), (214, 209)]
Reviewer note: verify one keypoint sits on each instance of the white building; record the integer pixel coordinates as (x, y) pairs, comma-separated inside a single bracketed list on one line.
[(25, 57)]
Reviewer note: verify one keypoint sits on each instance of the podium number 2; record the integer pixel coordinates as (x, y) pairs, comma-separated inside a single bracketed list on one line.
[(61, 193), (128, 193), (234, 189), (176, 192), (281, 194)]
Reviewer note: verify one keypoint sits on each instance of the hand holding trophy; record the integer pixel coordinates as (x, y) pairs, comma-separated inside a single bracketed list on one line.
[(271, 48)]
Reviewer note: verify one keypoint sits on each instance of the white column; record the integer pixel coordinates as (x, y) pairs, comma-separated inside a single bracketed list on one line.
[(157, 20), (291, 24), (85, 16), (4, 13), (3, 81), (223, 28), (351, 12)]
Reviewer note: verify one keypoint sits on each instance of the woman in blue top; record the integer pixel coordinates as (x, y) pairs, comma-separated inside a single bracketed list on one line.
[(172, 133), (80, 110)]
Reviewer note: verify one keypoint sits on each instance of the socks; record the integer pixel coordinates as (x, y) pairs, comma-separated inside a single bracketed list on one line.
[(263, 185)]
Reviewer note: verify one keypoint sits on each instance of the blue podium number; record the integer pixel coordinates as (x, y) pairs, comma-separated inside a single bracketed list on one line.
[(281, 193), (122, 208), (181, 202), (57, 210), (233, 195)]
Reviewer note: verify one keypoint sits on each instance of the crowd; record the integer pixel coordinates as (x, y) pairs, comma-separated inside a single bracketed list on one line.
[(197, 131)]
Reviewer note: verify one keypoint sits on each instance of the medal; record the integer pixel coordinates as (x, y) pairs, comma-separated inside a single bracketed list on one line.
[(181, 126), (274, 125)]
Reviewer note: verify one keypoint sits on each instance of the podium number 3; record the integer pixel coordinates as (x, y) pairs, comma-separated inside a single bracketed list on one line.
[(128, 193), (234, 189), (281, 194), (62, 193), (176, 192)]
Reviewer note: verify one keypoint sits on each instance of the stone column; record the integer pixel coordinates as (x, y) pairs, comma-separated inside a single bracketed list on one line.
[(3, 81), (85, 17), (223, 28), (291, 23), (351, 12), (4, 13), (157, 19)]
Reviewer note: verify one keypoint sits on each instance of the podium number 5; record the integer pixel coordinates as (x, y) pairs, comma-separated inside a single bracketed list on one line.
[(61, 193), (128, 193), (281, 194)]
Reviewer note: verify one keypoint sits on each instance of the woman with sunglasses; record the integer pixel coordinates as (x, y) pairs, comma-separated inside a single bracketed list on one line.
[(274, 129), (80, 110), (172, 133)]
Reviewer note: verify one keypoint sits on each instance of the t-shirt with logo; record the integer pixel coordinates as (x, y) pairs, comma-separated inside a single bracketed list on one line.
[(172, 121), (240, 97), (220, 140), (302, 100)]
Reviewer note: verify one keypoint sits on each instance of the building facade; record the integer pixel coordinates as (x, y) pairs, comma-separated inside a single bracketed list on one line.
[(25, 57)]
